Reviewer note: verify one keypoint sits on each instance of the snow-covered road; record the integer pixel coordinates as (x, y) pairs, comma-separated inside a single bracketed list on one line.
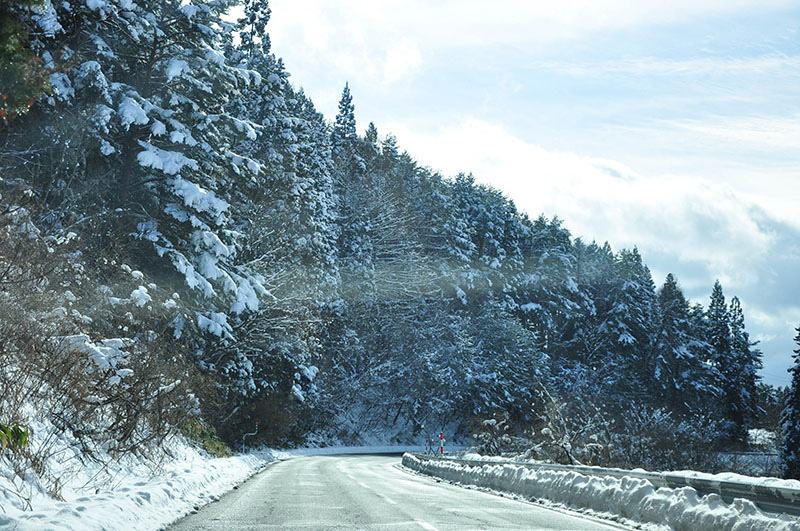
[(369, 492)]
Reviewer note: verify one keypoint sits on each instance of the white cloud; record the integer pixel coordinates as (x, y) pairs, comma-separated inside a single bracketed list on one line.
[(768, 133), (758, 156), (782, 319), (692, 220), (401, 60), (458, 22), (358, 37), (773, 65)]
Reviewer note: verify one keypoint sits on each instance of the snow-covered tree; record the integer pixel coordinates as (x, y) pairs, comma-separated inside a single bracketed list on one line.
[(747, 361), (681, 375), (718, 325), (344, 127), (506, 371), (149, 83), (627, 326), (371, 135), (728, 366), (552, 299), (350, 182), (253, 37), (790, 421), (584, 343)]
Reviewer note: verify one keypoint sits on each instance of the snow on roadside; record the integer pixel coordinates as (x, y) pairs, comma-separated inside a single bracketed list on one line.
[(739, 478), (135, 493), (127, 494), (632, 498)]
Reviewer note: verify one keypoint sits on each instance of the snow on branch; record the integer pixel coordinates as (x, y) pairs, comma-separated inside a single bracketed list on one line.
[(177, 67), (170, 162), (194, 196), (130, 112), (215, 323)]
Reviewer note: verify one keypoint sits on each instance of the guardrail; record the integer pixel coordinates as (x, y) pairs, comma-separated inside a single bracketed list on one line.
[(771, 499)]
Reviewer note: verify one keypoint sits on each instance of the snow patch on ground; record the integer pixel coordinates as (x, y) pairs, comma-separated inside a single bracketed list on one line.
[(631, 498), (128, 494)]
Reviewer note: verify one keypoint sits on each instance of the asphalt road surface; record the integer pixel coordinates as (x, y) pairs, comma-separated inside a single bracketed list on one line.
[(370, 492)]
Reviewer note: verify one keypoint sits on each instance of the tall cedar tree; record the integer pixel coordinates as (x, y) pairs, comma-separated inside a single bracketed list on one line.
[(719, 336), (681, 376), (790, 420), (746, 361)]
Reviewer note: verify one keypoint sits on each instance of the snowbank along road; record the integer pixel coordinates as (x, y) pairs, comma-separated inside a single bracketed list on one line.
[(370, 492)]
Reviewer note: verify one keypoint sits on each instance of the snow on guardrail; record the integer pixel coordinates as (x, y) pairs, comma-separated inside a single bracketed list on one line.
[(680, 501)]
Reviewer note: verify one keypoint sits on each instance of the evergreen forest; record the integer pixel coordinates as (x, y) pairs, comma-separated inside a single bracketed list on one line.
[(188, 245)]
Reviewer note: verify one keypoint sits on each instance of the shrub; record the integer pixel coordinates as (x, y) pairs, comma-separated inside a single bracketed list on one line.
[(576, 431), (13, 436), (197, 431), (77, 365), (654, 439)]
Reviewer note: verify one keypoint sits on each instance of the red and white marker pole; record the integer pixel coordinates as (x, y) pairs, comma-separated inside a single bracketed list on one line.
[(441, 438)]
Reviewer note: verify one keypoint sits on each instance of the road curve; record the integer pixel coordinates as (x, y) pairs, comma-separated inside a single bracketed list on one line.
[(370, 492)]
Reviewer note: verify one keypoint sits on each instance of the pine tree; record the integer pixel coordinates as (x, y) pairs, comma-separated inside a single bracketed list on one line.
[(371, 135), (627, 327), (747, 362), (681, 375), (252, 27), (596, 278), (790, 420), (507, 371), (353, 191), (543, 285), (344, 126), (152, 88), (718, 327), (723, 359)]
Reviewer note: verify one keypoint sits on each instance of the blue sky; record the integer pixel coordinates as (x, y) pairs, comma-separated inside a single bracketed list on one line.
[(673, 126)]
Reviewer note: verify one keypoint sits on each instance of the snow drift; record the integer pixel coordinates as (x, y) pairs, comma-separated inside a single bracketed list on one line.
[(632, 498), (128, 494)]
